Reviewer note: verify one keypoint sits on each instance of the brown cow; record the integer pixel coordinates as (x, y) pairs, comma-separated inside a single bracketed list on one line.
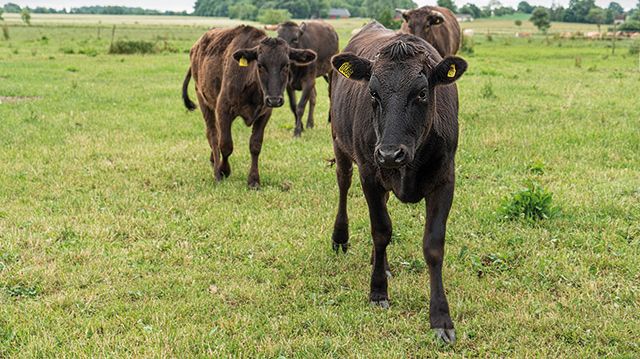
[(394, 112), (438, 25), (321, 38), (239, 72)]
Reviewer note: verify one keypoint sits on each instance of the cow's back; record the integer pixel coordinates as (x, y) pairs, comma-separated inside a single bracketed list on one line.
[(212, 61), (323, 39)]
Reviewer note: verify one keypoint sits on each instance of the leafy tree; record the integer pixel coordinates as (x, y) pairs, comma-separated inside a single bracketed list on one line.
[(472, 10), (616, 8), (578, 10), (540, 17), (273, 16), (1, 11), (503, 10), (518, 23), (12, 7), (243, 11), (596, 16), (26, 16), (449, 4), (525, 7)]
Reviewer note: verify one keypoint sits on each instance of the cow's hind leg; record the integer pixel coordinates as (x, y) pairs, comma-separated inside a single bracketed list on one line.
[(312, 107), (225, 142), (255, 146), (344, 170), (375, 195), (438, 206), (291, 93), (304, 98)]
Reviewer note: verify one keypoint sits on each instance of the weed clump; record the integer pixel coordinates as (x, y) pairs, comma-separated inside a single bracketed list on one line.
[(467, 45), (532, 204), (132, 47), (634, 49), (487, 91)]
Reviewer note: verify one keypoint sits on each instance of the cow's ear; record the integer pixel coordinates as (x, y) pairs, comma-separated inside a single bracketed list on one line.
[(448, 70), (303, 27), (435, 18), (244, 56), (406, 15), (352, 66), (302, 57)]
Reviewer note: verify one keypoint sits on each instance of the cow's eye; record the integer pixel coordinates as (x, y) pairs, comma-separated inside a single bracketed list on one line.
[(374, 94), (260, 66), (422, 96)]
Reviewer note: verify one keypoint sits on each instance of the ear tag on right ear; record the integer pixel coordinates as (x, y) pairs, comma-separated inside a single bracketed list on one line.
[(452, 71), (346, 69), (243, 62)]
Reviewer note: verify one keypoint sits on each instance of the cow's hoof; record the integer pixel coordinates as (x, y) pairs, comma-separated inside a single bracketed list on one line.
[(337, 246), (384, 303), (254, 185), (309, 124), (448, 336)]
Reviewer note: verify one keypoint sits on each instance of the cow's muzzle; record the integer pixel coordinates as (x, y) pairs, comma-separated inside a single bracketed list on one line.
[(392, 156), (274, 101)]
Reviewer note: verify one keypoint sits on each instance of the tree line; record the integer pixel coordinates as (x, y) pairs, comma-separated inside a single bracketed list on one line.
[(300, 9), (580, 11), (93, 10)]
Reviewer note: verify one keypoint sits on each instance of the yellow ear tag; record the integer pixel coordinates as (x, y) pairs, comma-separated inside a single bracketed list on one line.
[(452, 71), (346, 69), (243, 62)]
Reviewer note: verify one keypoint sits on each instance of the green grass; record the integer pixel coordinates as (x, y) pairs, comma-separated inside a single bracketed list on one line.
[(115, 240)]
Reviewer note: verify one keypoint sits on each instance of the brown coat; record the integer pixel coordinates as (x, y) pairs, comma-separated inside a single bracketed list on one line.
[(239, 72), (437, 25), (322, 38)]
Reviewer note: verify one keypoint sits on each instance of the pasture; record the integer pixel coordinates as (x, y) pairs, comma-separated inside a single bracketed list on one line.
[(116, 241)]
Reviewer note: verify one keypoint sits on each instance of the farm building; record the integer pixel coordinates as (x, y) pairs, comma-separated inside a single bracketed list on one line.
[(339, 13), (464, 17)]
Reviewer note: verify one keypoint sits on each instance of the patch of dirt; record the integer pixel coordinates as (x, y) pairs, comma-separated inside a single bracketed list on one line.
[(17, 99)]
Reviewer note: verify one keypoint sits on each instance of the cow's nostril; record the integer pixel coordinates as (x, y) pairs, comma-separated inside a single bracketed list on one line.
[(274, 101), (399, 155), (391, 156)]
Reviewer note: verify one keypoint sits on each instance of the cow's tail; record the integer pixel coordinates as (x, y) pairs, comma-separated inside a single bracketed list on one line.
[(185, 92)]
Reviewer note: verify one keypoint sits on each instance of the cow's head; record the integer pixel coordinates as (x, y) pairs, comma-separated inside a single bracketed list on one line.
[(421, 20), (291, 33), (401, 81), (270, 59)]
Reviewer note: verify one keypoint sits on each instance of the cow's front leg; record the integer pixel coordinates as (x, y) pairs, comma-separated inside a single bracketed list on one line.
[(225, 142), (438, 206), (255, 146), (381, 233)]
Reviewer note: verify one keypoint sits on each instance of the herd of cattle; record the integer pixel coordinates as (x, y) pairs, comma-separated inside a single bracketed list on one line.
[(393, 111)]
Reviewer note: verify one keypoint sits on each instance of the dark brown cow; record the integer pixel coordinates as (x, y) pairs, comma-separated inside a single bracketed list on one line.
[(437, 25), (394, 112), (239, 72), (321, 38)]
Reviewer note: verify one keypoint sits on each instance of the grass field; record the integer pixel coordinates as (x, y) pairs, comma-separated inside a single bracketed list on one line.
[(115, 241)]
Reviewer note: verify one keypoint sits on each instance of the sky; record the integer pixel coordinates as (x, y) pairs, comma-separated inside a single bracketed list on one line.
[(187, 5)]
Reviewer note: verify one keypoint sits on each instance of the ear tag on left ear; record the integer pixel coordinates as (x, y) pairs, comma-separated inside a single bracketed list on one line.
[(346, 69), (243, 62), (452, 71)]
